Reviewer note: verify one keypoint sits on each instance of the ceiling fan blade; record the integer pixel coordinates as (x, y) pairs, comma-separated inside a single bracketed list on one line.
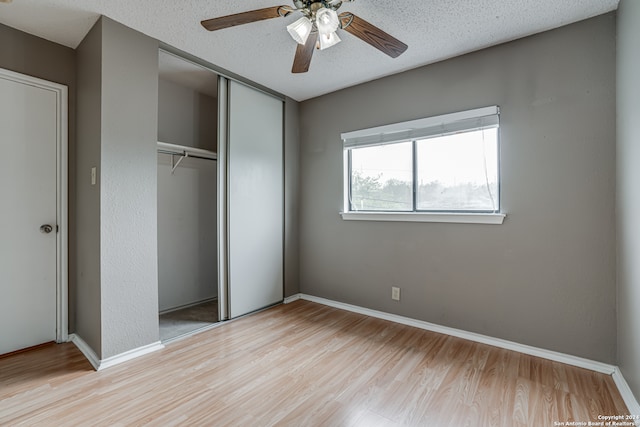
[(246, 17), (371, 34), (304, 53)]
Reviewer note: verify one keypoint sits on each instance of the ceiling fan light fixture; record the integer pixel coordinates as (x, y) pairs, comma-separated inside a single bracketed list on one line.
[(317, 29), (327, 21), (300, 29), (328, 40)]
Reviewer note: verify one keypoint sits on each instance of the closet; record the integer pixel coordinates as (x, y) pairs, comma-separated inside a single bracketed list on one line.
[(220, 197), (187, 197)]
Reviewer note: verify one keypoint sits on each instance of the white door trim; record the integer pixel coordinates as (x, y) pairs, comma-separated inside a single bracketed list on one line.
[(62, 236)]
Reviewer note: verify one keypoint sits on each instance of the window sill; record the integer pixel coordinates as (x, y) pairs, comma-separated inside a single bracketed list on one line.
[(458, 218)]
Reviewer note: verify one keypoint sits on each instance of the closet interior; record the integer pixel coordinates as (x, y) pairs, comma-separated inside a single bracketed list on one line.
[(187, 199)]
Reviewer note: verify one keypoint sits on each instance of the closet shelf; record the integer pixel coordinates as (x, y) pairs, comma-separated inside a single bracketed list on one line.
[(186, 151)]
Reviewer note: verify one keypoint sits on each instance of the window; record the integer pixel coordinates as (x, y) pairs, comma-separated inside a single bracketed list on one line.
[(439, 168)]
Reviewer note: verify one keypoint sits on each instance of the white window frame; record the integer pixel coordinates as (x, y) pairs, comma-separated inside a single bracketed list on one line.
[(442, 125)]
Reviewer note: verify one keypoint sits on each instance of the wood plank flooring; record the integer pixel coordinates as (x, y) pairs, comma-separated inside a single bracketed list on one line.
[(304, 364)]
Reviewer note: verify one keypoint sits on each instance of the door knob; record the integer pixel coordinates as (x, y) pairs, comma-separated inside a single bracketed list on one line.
[(46, 229)]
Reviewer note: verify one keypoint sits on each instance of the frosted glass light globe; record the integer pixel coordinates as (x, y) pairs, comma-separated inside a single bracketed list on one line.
[(327, 20), (300, 30)]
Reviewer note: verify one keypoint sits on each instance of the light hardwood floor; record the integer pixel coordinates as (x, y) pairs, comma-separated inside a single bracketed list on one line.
[(304, 364)]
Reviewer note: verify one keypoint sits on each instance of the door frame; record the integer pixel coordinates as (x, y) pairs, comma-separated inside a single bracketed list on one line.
[(62, 217), (222, 202)]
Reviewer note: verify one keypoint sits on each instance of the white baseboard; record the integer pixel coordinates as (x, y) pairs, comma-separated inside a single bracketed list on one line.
[(292, 298), (131, 354), (471, 336), (84, 348), (99, 364), (627, 394), (614, 371)]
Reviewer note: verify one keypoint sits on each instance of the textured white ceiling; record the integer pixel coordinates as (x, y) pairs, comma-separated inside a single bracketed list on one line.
[(263, 51)]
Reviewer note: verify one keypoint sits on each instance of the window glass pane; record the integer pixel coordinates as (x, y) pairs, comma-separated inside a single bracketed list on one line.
[(381, 178), (458, 172)]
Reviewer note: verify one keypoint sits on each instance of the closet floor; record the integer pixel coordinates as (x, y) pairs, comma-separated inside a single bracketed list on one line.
[(187, 320)]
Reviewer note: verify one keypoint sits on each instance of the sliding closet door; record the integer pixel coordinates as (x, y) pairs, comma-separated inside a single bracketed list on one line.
[(254, 199)]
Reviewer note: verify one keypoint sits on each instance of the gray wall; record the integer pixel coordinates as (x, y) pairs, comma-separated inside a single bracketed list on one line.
[(128, 247), (546, 277), (87, 272), (187, 117), (628, 197), (187, 220), (117, 128), (27, 54), (291, 197)]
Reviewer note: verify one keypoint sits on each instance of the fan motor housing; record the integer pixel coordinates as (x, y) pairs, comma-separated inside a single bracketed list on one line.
[(314, 5)]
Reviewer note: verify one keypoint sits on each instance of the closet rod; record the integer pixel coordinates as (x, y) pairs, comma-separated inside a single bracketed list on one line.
[(185, 154)]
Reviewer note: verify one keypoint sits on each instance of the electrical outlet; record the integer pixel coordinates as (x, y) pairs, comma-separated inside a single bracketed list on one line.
[(395, 293)]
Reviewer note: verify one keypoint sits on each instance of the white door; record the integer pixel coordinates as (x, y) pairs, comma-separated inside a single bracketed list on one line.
[(29, 136), (255, 199)]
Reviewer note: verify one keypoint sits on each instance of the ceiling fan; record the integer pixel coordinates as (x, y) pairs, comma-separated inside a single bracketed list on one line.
[(317, 28)]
